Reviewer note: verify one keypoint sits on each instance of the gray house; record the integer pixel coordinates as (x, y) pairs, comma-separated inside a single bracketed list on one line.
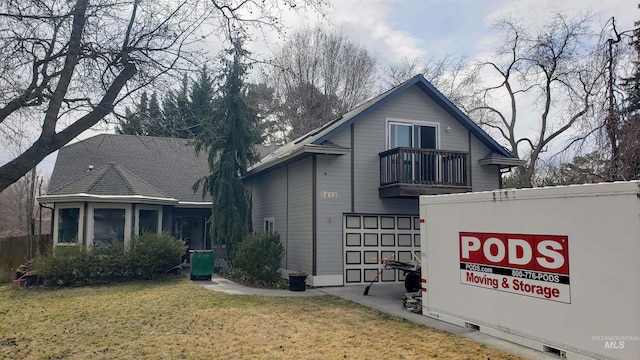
[(112, 187), (346, 193)]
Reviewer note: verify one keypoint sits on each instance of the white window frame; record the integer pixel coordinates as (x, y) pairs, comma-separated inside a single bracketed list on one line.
[(127, 220), (79, 206), (269, 220), (412, 123), (147, 207)]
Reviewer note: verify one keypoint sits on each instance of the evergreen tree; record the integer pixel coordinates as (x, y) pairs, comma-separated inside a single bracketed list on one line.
[(180, 114), (201, 101), (229, 137), (177, 110), (632, 84), (133, 122), (155, 124), (629, 136)]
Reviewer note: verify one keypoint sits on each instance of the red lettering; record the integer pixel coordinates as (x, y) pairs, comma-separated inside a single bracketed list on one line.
[(546, 291), (544, 253)]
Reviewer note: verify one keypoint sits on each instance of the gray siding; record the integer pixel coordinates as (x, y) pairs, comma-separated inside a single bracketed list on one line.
[(300, 237), (269, 199), (285, 195), (333, 175), (484, 177)]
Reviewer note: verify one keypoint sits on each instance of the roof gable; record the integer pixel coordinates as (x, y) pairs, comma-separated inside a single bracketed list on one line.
[(320, 135), (435, 95)]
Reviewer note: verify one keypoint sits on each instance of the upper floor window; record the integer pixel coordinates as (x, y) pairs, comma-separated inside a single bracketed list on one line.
[(412, 135)]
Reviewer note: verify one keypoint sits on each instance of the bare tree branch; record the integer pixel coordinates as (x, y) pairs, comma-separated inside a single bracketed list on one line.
[(65, 65)]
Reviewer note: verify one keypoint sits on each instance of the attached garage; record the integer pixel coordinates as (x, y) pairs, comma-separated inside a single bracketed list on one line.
[(369, 237)]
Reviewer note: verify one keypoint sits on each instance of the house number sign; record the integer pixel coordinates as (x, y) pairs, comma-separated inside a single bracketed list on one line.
[(329, 194)]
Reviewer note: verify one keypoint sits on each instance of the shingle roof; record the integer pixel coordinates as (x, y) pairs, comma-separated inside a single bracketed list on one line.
[(110, 179), (319, 135), (129, 165)]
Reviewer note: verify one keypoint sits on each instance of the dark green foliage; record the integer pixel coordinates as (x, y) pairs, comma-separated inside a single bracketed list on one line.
[(65, 266), (628, 161), (177, 111), (240, 276), (145, 119), (107, 263), (181, 112), (151, 254), (148, 256), (632, 84), (201, 101), (260, 255), (589, 168), (229, 136)]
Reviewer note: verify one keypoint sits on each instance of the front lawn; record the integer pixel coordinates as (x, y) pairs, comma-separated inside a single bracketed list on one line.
[(178, 319)]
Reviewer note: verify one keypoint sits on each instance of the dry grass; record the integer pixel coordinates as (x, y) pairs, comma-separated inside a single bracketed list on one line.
[(178, 319)]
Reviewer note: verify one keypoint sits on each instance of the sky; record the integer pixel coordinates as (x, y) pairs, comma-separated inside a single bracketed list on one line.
[(396, 29), (419, 28)]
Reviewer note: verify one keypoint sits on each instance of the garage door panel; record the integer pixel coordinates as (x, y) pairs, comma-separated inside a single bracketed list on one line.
[(388, 275), (387, 222), (405, 240), (353, 239), (370, 222), (353, 276), (388, 239), (354, 257), (371, 257), (370, 274)]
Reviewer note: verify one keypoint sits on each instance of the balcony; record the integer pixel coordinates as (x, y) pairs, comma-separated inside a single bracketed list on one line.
[(409, 172)]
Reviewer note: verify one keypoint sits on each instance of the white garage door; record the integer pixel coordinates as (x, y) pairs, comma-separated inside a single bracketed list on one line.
[(369, 237)]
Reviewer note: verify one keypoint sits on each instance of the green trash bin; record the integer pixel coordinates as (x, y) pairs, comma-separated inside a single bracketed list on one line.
[(202, 264)]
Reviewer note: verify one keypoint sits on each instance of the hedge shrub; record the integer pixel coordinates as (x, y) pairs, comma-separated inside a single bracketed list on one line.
[(260, 255), (152, 254), (147, 256)]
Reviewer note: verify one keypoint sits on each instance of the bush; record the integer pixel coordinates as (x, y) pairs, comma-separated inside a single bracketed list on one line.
[(109, 263), (240, 276), (147, 256), (152, 254), (259, 255), (65, 266)]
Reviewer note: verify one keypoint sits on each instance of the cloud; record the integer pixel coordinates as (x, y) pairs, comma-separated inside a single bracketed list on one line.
[(370, 24)]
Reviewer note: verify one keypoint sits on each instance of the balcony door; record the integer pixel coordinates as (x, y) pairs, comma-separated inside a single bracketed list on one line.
[(417, 167)]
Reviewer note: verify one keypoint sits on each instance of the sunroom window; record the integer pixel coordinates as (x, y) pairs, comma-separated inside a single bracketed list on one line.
[(68, 219), (108, 225), (148, 221)]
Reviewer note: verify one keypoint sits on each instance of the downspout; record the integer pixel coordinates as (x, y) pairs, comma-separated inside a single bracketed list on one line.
[(286, 225), (314, 227), (52, 220), (353, 198), (470, 165)]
